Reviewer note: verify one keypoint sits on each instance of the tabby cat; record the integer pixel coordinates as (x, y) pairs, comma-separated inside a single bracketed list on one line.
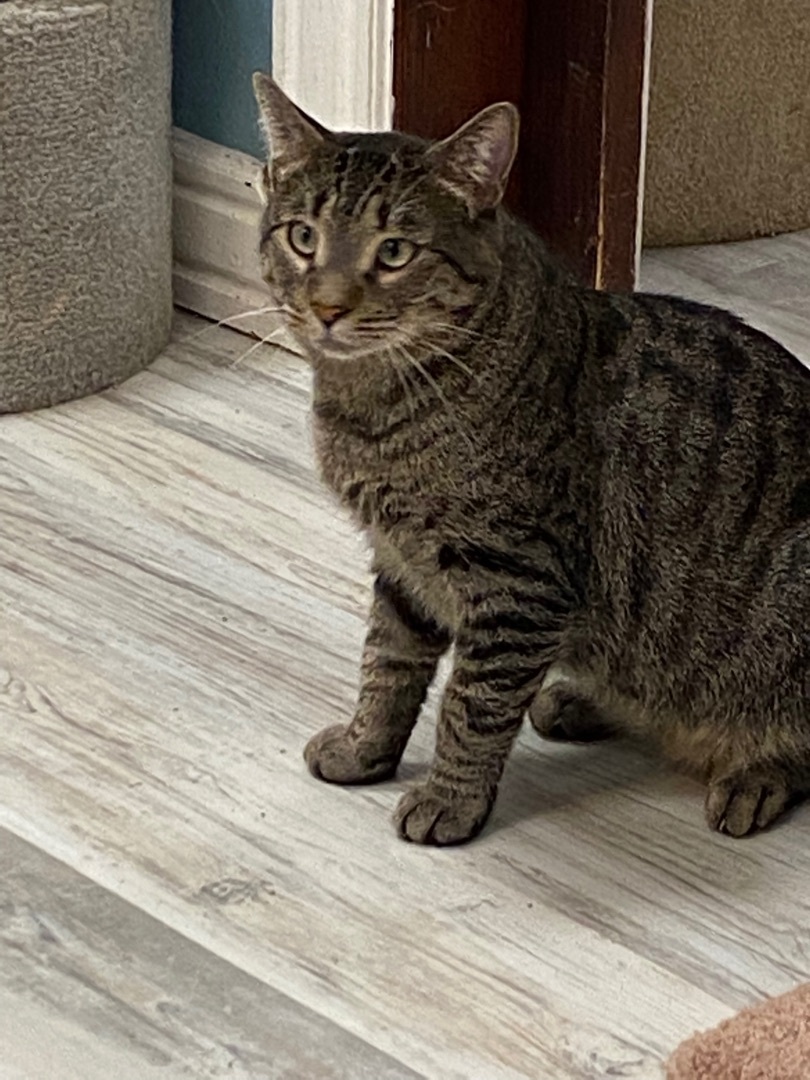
[(602, 502)]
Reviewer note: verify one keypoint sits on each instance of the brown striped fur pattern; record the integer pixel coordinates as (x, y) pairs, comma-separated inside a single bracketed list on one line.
[(602, 502)]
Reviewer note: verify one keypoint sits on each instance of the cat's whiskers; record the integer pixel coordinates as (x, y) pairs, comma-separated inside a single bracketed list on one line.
[(396, 350), (268, 339), (377, 321), (269, 310), (453, 328), (428, 378), (370, 332), (434, 347), (439, 351), (286, 348), (401, 375)]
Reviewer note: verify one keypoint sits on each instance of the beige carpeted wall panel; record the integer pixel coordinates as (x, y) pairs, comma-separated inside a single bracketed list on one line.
[(728, 152), (85, 195)]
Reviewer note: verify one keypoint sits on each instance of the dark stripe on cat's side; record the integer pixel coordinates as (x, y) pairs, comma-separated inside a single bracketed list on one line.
[(731, 356), (723, 407), (769, 401), (802, 429), (640, 583), (611, 331), (570, 373), (655, 363), (651, 305), (764, 469), (800, 502)]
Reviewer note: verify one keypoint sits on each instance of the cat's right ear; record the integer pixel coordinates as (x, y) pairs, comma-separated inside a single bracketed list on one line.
[(291, 135), (474, 163)]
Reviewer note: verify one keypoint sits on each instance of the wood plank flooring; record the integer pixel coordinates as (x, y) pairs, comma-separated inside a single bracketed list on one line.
[(765, 281), (181, 605)]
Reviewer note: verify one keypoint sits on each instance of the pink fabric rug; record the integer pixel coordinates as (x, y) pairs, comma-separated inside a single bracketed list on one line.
[(770, 1041)]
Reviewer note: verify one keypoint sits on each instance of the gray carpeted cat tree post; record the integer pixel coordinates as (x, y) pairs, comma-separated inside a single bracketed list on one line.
[(85, 195)]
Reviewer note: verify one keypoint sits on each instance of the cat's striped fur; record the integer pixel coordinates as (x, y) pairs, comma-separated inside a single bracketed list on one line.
[(602, 501)]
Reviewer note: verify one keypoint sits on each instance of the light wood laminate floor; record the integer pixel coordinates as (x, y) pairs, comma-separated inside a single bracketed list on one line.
[(181, 606)]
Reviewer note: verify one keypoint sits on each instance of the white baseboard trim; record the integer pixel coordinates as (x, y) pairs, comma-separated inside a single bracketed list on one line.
[(216, 234), (349, 86), (645, 116)]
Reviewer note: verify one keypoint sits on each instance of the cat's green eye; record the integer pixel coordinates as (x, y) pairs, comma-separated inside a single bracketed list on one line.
[(395, 253), (303, 239)]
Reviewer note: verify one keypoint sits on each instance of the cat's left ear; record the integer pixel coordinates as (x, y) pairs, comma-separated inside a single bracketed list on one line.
[(474, 163), (291, 135)]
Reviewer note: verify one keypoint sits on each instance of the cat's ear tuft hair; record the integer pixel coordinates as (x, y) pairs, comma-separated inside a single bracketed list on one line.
[(474, 163), (291, 135)]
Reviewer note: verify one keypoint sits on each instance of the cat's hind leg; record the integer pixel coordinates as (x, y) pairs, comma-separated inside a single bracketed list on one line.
[(563, 712), (765, 768), (759, 771)]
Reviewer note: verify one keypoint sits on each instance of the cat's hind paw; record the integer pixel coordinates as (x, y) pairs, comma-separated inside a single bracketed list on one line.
[(746, 802)]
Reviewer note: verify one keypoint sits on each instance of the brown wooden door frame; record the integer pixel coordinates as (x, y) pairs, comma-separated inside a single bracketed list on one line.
[(576, 70)]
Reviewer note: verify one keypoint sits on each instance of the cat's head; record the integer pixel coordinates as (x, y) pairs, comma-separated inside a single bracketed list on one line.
[(381, 242)]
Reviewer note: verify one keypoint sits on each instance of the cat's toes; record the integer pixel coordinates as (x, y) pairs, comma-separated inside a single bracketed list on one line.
[(426, 815), (338, 757), (739, 805)]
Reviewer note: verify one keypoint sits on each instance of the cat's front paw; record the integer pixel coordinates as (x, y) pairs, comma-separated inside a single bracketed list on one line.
[(338, 756), (428, 815)]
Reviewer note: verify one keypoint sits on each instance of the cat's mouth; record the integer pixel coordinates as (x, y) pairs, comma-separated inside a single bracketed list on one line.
[(338, 342), (346, 341)]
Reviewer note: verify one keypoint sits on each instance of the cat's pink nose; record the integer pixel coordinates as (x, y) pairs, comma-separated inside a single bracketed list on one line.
[(329, 313)]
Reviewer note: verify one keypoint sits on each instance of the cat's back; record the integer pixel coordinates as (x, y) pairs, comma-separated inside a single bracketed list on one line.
[(693, 333), (689, 383)]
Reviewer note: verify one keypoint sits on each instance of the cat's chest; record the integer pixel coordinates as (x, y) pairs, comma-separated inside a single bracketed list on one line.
[(410, 506), (390, 487)]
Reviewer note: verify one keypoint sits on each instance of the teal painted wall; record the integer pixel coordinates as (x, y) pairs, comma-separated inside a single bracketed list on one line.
[(218, 44)]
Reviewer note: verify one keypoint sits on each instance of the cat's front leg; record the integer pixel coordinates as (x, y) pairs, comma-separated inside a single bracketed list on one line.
[(499, 665), (403, 647)]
